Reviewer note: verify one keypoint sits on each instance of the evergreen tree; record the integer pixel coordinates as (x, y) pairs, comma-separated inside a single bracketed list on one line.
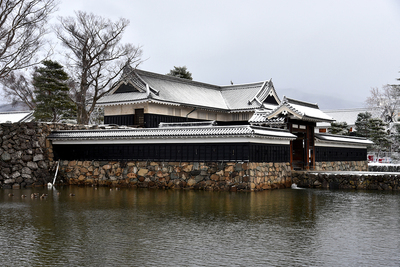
[(180, 72), (339, 128), (362, 124), (378, 134), (51, 93), (395, 135), (374, 129)]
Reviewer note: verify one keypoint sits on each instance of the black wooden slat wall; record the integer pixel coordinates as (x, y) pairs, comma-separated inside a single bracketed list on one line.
[(239, 152), (340, 154), (120, 119), (153, 120)]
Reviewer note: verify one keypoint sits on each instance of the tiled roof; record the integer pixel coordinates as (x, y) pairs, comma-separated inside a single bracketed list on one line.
[(261, 118), (173, 132), (237, 97), (301, 110), (172, 90), (344, 115), (342, 139), (123, 98), (16, 116)]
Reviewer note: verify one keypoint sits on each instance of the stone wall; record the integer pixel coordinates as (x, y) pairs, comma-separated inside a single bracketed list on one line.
[(190, 175), (343, 180), (342, 166), (384, 168), (26, 157)]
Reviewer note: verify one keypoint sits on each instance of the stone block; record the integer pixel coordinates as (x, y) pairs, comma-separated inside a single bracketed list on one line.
[(26, 176), (15, 175), (26, 170), (187, 168), (38, 157), (42, 164), (86, 164), (215, 177), (9, 181), (191, 182), (199, 178), (5, 157), (143, 172), (107, 167)]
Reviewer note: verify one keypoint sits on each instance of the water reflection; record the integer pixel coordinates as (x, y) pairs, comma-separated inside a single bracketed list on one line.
[(131, 227)]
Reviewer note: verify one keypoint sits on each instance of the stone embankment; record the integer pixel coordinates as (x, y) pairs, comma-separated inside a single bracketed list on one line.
[(26, 157), (342, 166), (384, 168), (227, 176), (347, 180)]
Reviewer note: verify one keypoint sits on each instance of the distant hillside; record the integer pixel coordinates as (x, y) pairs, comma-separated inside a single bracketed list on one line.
[(9, 107)]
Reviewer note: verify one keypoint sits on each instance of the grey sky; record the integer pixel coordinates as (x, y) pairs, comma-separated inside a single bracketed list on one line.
[(330, 52)]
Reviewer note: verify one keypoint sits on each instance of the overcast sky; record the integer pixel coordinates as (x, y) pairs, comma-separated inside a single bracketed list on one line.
[(329, 52)]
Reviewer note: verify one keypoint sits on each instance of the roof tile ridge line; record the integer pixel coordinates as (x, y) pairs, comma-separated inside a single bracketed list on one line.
[(344, 136), (274, 91), (299, 102), (225, 101), (177, 79), (269, 129), (125, 78), (15, 112), (123, 102), (142, 100), (148, 88), (258, 92), (263, 93), (286, 104), (237, 86), (29, 115)]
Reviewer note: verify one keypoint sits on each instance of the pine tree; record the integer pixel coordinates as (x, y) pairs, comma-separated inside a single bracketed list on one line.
[(361, 124), (51, 93), (378, 134), (180, 72), (339, 128), (374, 129)]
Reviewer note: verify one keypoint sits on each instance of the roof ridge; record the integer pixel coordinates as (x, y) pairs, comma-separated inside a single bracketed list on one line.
[(238, 86), (301, 102), (18, 111), (176, 79)]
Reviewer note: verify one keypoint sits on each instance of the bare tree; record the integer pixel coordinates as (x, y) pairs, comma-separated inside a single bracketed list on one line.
[(385, 101), (18, 88), (95, 56), (22, 28)]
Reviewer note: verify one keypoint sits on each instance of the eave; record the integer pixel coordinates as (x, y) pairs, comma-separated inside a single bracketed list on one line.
[(214, 134)]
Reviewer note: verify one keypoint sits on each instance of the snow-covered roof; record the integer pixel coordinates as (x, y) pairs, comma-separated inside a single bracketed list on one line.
[(16, 116), (344, 115), (329, 139), (179, 133), (293, 108), (164, 89)]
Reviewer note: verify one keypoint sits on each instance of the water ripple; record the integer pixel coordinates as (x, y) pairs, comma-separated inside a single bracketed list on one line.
[(186, 228)]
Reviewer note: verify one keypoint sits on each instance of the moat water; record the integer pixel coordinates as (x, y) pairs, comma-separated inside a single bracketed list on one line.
[(140, 227)]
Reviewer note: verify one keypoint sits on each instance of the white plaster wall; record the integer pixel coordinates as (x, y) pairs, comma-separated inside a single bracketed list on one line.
[(174, 111), (123, 109), (112, 110)]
